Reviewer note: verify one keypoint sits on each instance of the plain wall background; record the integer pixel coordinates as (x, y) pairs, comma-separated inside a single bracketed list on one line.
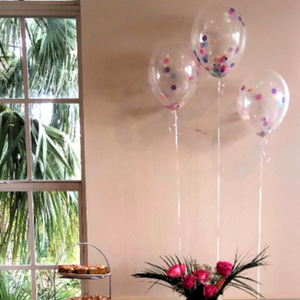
[(131, 158)]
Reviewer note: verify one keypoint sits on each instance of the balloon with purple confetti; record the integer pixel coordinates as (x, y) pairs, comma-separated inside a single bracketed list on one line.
[(173, 74), (219, 32), (265, 96)]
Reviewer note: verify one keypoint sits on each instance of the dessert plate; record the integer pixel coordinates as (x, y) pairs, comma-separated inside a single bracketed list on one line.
[(83, 276)]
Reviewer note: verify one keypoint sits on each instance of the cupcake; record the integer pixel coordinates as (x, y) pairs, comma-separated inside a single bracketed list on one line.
[(75, 267), (92, 270), (68, 269), (61, 269), (82, 270), (102, 269)]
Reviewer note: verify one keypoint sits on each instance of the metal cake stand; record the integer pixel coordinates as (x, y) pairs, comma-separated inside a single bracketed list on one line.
[(82, 276)]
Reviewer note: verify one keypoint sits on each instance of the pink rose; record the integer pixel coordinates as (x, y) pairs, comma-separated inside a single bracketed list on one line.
[(224, 268), (188, 281), (201, 275), (209, 290), (176, 271)]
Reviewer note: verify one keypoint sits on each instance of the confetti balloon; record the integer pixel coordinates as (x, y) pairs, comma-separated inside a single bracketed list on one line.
[(218, 38), (263, 100), (173, 75)]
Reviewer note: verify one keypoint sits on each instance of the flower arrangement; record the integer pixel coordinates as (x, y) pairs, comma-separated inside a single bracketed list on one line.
[(202, 282)]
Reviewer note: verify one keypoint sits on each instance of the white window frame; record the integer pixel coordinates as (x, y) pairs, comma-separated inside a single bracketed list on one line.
[(60, 9)]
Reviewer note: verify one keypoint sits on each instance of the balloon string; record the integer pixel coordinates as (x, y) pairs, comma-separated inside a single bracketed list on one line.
[(178, 190), (260, 210), (219, 163), (267, 157)]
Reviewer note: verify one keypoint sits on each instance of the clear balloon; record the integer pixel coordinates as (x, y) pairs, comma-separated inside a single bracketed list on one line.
[(263, 101), (218, 38), (173, 75)]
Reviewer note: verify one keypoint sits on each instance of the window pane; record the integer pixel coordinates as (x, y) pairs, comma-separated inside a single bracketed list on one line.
[(64, 288), (11, 80), (52, 58), (56, 227), (55, 140), (14, 240), (12, 142), (15, 285)]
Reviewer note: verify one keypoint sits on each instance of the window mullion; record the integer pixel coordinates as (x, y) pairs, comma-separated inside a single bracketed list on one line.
[(36, 186), (32, 243), (33, 285), (26, 94), (39, 9), (26, 267), (41, 100), (82, 193)]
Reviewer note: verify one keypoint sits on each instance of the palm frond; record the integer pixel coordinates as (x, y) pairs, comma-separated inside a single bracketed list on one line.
[(15, 285), (241, 265), (158, 273)]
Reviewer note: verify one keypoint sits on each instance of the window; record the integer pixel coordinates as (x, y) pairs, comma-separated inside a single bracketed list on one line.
[(42, 204)]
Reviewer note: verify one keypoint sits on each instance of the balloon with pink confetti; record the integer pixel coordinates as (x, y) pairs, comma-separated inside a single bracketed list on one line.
[(263, 101), (218, 38), (173, 75)]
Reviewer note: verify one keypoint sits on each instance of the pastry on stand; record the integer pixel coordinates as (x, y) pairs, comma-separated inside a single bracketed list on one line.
[(86, 272)]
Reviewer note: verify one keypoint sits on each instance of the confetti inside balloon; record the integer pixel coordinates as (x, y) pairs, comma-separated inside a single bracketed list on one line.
[(263, 101), (173, 75), (220, 33)]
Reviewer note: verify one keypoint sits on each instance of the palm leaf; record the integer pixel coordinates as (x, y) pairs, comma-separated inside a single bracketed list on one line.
[(238, 269)]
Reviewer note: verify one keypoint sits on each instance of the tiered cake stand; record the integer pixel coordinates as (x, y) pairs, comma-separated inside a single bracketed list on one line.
[(81, 276)]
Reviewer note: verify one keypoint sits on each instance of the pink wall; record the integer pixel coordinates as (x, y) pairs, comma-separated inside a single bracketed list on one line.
[(131, 159)]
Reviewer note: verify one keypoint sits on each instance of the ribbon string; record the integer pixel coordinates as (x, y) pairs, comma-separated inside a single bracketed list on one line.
[(220, 91), (178, 186), (262, 154)]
